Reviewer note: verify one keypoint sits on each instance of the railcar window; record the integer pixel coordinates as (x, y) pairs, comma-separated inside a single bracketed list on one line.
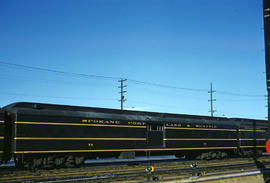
[(155, 127)]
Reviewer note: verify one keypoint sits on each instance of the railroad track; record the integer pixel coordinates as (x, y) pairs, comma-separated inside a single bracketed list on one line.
[(137, 173)]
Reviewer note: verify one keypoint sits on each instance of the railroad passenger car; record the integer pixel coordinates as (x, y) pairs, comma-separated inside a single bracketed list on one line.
[(56, 135)]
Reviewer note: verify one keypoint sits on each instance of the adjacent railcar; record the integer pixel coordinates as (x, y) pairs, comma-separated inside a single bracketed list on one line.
[(252, 135), (1, 134), (47, 134)]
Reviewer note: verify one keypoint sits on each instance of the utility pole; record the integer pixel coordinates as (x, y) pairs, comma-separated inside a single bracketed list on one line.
[(211, 100), (122, 86), (266, 12)]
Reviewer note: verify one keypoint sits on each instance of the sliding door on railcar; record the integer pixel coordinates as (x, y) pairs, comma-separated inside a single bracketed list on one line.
[(155, 135)]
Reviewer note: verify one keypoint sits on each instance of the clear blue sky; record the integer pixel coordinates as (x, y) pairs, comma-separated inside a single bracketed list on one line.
[(180, 43)]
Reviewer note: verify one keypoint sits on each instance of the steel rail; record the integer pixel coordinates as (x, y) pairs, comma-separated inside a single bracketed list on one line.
[(114, 172)]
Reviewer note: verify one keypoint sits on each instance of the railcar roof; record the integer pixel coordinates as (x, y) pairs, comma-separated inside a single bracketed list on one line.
[(44, 106), (40, 106)]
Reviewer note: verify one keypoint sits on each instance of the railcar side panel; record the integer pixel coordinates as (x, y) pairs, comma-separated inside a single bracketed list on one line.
[(73, 134), (196, 136), (48, 134)]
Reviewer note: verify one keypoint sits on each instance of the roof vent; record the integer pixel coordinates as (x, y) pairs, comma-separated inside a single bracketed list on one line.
[(37, 106)]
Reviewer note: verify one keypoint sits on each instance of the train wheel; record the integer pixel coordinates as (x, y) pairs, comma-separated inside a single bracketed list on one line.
[(221, 155), (259, 153), (79, 160), (18, 161), (224, 155), (37, 162), (205, 156), (48, 162), (27, 164), (70, 161), (59, 161), (212, 155)]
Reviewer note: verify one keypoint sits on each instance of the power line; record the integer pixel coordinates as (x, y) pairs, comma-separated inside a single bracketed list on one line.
[(58, 97), (59, 72), (48, 81), (99, 77), (167, 86), (237, 94), (119, 78)]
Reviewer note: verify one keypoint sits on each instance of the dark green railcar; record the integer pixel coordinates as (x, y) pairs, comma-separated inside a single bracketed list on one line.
[(46, 134)]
